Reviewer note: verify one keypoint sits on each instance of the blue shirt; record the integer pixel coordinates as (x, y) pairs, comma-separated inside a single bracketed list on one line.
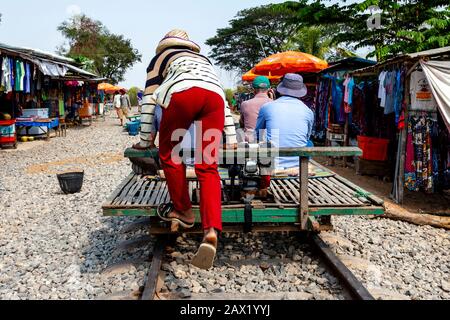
[(288, 123)]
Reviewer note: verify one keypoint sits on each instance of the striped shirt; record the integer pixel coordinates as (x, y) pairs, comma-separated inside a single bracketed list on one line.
[(175, 70)]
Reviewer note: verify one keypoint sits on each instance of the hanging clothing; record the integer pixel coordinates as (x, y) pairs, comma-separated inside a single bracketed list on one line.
[(398, 94), (389, 84), (27, 78), (421, 95), (382, 89), (12, 68), (20, 75), (359, 122), (349, 85), (323, 98), (419, 169), (6, 75), (338, 101)]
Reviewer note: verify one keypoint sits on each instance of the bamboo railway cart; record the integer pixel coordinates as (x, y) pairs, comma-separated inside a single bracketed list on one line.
[(303, 203)]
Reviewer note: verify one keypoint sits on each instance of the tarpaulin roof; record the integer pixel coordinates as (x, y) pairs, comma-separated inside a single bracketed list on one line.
[(37, 53), (351, 63), (439, 52), (438, 75), (50, 64)]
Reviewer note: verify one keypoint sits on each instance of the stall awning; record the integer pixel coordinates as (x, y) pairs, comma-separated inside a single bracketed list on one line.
[(50, 64), (348, 64), (438, 75), (59, 70), (51, 69)]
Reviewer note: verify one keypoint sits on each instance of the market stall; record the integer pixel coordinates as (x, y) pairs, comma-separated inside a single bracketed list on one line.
[(40, 91), (333, 119), (397, 113)]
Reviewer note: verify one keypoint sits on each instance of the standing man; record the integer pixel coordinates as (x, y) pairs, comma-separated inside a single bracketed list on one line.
[(140, 97), (250, 109), (117, 103), (125, 104), (184, 83)]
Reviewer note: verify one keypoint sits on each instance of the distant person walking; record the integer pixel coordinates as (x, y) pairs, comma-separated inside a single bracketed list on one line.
[(140, 97), (117, 104), (125, 104)]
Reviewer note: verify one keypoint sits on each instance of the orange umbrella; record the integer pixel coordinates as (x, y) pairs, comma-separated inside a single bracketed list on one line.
[(251, 75), (105, 86), (108, 88), (290, 62)]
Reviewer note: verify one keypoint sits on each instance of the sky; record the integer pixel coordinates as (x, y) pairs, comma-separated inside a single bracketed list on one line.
[(32, 23)]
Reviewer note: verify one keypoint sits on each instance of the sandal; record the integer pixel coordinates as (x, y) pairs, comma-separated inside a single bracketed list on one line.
[(163, 212), (204, 259)]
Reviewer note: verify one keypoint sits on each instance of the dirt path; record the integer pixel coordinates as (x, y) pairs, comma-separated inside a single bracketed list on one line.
[(415, 202)]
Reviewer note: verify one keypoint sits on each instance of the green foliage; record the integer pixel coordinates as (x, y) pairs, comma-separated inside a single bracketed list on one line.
[(238, 47), (133, 95), (281, 28), (312, 40), (89, 41), (243, 89), (85, 63), (229, 94), (406, 26)]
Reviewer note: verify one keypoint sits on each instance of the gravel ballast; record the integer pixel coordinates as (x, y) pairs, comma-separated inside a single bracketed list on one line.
[(56, 246)]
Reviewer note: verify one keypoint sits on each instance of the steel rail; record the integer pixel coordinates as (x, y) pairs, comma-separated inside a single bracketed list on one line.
[(155, 267), (348, 279)]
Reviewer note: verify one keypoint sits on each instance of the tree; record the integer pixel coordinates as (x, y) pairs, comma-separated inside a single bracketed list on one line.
[(315, 40), (91, 43), (133, 95), (406, 26), (238, 46), (229, 94)]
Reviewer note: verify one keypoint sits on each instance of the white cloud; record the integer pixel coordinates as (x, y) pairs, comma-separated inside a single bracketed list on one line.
[(73, 10)]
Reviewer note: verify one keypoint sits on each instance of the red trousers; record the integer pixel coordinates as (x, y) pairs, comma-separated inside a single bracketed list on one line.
[(265, 182), (207, 109)]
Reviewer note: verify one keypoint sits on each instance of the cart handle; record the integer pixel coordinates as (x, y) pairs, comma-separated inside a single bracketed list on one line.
[(263, 152)]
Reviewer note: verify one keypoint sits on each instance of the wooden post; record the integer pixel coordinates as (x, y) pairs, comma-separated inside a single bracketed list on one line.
[(403, 141), (303, 190), (346, 136)]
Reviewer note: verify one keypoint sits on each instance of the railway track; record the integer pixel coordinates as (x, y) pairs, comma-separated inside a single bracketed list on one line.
[(352, 287)]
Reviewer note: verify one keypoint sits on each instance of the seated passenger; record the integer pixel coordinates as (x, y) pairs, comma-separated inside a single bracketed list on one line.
[(250, 109), (287, 121)]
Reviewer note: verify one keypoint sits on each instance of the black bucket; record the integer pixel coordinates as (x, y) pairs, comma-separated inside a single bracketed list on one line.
[(71, 183)]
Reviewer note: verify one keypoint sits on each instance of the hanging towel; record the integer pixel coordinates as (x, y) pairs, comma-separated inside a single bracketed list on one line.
[(438, 75)]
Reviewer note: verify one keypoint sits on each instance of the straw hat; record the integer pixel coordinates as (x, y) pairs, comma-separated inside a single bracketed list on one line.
[(177, 38)]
